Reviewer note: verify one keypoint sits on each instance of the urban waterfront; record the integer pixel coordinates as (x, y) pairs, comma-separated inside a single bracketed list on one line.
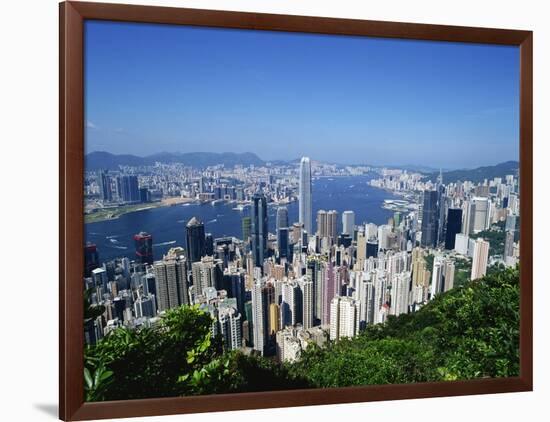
[(245, 231), (114, 238)]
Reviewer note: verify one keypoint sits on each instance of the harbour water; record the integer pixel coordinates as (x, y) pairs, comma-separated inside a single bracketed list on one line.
[(114, 238)]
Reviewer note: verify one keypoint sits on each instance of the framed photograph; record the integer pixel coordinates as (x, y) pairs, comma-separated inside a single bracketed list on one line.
[(268, 210)]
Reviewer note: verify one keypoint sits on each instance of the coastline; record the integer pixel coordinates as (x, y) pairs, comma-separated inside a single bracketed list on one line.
[(116, 212)]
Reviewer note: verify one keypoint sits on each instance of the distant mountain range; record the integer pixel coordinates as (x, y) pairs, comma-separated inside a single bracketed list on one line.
[(478, 174), (105, 160)]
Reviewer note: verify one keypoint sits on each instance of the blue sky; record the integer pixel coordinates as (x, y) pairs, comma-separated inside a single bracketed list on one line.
[(154, 88)]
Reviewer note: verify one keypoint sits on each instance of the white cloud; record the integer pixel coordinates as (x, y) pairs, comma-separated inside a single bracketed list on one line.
[(90, 125)]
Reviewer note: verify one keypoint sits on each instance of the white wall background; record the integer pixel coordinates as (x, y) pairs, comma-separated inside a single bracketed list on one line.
[(29, 213)]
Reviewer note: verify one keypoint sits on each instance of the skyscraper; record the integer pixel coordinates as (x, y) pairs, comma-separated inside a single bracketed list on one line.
[(100, 278), (144, 248), (468, 220), (290, 306), (171, 280), (332, 225), (400, 293), (361, 251), (305, 208), (235, 286), (327, 224), (274, 318), (509, 244), (206, 273), (315, 273), (344, 317), (454, 225), (321, 223), (91, 258), (366, 296), (259, 229), (262, 297), (247, 227), (481, 217), (230, 328), (480, 259), (104, 182), (128, 188), (306, 289), (209, 244), (282, 218), (196, 244), (430, 218), (282, 242), (348, 222), (330, 290)]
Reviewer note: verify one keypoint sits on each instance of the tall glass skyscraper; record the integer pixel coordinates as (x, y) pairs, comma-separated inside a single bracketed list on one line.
[(430, 219), (282, 218), (454, 225), (259, 228), (196, 243), (305, 195)]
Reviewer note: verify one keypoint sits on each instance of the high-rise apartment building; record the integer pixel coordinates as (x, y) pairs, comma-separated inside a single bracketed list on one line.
[(344, 317), (171, 280), (482, 213), (480, 259), (306, 290), (291, 304), (469, 212), (230, 328), (400, 293), (206, 273)]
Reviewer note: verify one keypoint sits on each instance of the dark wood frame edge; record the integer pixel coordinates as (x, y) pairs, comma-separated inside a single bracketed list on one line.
[(71, 156)]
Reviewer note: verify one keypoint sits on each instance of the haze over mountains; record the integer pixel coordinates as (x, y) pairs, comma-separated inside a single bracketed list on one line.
[(105, 160), (478, 174)]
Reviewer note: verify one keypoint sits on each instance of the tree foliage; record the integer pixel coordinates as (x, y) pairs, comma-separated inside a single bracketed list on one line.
[(469, 332), (179, 357)]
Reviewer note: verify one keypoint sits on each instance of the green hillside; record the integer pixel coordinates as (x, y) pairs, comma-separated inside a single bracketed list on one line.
[(477, 175), (469, 332)]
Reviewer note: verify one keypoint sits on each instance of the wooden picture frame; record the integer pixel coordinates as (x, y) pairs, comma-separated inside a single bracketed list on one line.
[(71, 165)]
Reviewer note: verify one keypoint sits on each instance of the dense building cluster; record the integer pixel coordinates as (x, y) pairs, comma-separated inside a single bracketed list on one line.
[(275, 293)]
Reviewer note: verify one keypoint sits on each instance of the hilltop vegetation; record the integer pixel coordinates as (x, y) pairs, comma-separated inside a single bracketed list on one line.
[(477, 175), (469, 332)]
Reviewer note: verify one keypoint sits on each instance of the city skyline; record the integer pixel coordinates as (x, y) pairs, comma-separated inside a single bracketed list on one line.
[(287, 94), (315, 260), (296, 160)]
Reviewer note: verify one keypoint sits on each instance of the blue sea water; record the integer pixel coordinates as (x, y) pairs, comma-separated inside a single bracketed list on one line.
[(114, 238)]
